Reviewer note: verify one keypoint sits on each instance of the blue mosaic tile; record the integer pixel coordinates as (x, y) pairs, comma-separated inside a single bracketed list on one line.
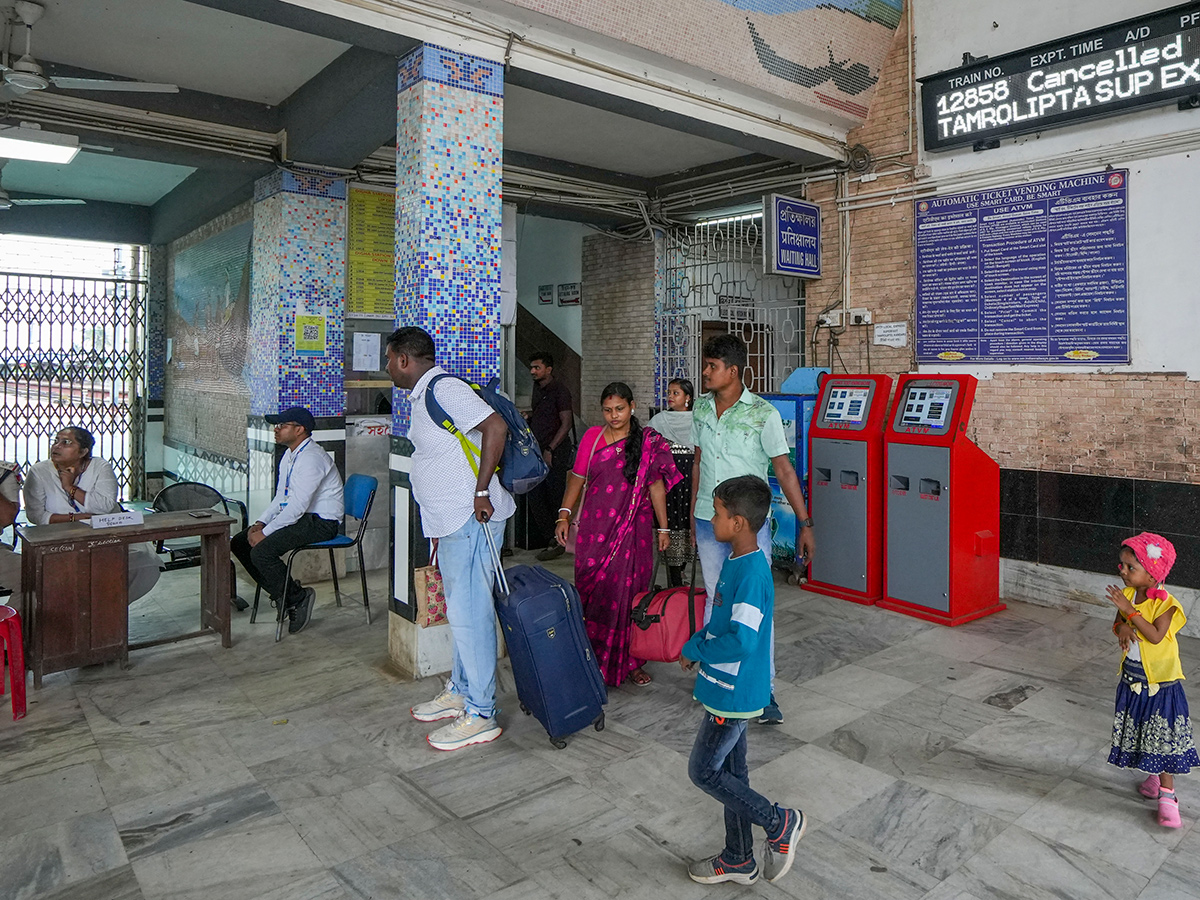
[(451, 68), (298, 268), (449, 149), (156, 324)]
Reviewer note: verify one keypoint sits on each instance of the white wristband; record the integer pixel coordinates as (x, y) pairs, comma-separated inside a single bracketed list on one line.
[(482, 494)]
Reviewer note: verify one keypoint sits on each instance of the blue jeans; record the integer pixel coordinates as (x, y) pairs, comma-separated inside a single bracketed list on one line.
[(713, 554), (468, 574), (718, 767)]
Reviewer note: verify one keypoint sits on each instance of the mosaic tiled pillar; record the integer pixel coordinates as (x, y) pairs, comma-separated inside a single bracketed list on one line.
[(297, 318), (450, 109), (156, 366)]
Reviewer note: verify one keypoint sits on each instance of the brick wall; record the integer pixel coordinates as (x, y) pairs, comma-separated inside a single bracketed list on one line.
[(618, 321), (211, 421), (1139, 425), (879, 274), (1127, 426)]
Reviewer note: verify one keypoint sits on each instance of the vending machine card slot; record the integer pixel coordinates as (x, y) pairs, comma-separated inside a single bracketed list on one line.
[(930, 487), (822, 475), (849, 479), (899, 483)]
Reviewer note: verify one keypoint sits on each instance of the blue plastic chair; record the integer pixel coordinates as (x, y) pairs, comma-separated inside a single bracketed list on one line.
[(359, 495)]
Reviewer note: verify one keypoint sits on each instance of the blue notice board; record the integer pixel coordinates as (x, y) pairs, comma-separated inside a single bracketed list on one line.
[(793, 237), (1033, 273)]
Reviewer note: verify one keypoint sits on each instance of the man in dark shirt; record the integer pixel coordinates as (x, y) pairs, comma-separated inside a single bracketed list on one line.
[(550, 420)]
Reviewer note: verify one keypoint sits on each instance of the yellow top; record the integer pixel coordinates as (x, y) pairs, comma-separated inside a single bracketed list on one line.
[(1161, 660)]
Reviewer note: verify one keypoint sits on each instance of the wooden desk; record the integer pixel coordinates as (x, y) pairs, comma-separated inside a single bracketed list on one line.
[(75, 582)]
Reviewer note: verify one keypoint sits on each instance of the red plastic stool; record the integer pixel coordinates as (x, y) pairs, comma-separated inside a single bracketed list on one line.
[(10, 639)]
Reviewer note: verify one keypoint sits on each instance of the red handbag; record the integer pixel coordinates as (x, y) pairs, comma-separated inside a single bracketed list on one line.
[(663, 620)]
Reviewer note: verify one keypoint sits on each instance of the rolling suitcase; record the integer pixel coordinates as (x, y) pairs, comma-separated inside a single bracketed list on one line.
[(558, 678)]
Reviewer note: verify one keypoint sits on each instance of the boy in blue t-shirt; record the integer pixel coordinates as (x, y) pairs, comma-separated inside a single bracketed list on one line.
[(734, 684)]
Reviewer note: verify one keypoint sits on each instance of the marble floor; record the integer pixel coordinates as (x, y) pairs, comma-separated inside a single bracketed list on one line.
[(933, 763)]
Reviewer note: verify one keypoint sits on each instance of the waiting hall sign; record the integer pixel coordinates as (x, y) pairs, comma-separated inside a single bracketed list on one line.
[(792, 239), (1146, 61), (1032, 273)]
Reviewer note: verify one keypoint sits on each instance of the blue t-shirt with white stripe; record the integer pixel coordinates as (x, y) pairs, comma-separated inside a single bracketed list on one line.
[(734, 649)]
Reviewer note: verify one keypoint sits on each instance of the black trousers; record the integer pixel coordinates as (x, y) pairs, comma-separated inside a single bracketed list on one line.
[(544, 500), (264, 563)]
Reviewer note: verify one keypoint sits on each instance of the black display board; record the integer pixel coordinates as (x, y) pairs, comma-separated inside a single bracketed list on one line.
[(1141, 62)]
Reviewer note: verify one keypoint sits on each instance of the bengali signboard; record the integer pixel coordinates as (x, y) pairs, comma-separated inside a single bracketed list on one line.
[(1033, 273), (793, 237), (1140, 62)]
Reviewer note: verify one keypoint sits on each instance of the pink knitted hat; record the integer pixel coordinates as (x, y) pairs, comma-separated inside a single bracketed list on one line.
[(1156, 555)]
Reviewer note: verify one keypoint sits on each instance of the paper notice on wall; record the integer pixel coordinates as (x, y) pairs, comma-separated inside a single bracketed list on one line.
[(310, 335), (891, 334), (366, 351)]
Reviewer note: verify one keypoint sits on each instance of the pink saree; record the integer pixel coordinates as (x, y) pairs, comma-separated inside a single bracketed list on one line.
[(614, 553)]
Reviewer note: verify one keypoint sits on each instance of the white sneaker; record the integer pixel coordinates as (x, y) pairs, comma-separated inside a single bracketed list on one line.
[(468, 728), (445, 705)]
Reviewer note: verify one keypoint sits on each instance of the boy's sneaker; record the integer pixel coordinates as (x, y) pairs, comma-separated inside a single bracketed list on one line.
[(780, 852), (771, 714), (469, 728), (445, 705), (715, 870)]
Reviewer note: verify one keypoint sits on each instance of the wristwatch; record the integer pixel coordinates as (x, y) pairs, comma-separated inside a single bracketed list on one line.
[(805, 523)]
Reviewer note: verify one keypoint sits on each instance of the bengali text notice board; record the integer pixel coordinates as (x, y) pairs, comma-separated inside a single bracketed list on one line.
[(1033, 273)]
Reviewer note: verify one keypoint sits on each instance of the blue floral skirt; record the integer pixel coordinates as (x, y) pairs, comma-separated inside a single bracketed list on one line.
[(1152, 733)]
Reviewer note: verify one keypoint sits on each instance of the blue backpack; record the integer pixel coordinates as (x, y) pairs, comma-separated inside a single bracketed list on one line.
[(522, 467)]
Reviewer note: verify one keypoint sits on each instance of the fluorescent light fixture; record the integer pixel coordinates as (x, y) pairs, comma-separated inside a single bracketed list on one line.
[(23, 142)]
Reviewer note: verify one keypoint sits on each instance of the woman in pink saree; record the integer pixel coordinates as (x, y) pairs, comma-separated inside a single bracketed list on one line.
[(623, 472)]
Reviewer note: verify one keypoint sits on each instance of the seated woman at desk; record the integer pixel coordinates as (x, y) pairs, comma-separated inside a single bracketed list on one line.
[(71, 486)]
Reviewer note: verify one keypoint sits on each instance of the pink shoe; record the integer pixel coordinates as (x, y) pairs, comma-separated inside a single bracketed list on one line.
[(1168, 813), (1149, 787)]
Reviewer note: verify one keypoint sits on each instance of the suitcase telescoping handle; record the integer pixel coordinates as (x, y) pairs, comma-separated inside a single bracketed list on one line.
[(491, 542)]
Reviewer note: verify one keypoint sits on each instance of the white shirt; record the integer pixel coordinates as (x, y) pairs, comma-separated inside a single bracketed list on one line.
[(44, 494), (308, 483), (442, 481), (675, 425)]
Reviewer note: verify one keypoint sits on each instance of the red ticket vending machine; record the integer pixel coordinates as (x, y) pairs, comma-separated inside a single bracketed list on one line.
[(942, 523), (845, 493)]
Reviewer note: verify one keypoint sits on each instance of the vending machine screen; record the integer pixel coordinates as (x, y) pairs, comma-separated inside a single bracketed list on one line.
[(927, 407), (847, 405)]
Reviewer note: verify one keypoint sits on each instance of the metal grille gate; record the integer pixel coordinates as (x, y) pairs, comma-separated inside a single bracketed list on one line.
[(74, 354), (714, 283)]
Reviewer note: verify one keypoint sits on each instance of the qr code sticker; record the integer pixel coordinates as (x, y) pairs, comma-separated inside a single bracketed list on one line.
[(312, 332)]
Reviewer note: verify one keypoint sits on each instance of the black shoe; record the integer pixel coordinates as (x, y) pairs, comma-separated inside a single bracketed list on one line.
[(301, 614), (554, 551), (239, 604)]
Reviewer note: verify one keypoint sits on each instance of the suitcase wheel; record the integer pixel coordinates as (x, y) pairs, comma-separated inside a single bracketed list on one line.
[(559, 743), (525, 709), (599, 723)]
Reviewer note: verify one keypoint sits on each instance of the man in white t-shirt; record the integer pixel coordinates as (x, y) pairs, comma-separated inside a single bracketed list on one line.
[(458, 501)]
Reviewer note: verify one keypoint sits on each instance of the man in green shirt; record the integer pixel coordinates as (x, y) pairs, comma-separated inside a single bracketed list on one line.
[(737, 433)]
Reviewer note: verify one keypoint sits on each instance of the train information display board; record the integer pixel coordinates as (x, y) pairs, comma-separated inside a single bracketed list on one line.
[(1031, 273), (1140, 62)]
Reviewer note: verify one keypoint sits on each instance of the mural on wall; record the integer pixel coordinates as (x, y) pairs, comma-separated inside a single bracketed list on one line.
[(210, 312), (824, 53)]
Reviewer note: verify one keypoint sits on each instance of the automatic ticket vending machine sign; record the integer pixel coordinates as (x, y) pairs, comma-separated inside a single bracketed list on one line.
[(943, 506), (846, 486)]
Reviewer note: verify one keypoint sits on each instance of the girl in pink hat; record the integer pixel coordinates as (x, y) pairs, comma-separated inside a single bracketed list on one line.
[(1152, 730)]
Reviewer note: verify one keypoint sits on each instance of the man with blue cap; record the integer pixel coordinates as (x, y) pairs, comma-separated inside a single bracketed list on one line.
[(307, 508)]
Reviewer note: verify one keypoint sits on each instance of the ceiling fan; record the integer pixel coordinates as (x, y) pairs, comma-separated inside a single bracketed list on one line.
[(7, 202), (26, 75)]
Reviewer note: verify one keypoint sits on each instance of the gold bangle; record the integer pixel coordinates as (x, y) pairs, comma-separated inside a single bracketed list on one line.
[(562, 520)]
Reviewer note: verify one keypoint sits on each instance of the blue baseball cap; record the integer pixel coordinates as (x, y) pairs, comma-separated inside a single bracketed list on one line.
[(297, 414)]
